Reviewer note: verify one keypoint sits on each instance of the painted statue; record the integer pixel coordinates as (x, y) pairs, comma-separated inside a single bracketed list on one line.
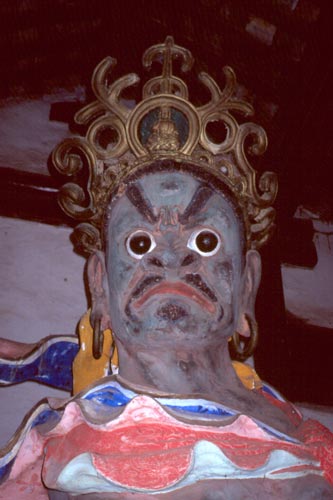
[(172, 221)]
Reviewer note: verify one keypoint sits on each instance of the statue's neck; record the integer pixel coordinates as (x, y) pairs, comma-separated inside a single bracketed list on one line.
[(192, 372), (174, 370)]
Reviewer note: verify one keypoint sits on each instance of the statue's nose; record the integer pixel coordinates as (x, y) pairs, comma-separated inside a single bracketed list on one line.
[(172, 257)]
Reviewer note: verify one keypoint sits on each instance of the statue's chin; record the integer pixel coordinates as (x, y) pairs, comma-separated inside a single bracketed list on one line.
[(171, 322), (172, 312), (167, 317)]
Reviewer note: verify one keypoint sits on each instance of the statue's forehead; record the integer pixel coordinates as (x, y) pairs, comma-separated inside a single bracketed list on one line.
[(169, 188), (185, 198)]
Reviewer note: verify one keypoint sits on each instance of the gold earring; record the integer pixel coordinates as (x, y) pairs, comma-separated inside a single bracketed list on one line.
[(243, 349), (90, 366)]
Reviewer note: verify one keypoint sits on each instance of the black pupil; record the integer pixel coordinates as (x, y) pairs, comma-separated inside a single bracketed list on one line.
[(206, 241), (140, 244)]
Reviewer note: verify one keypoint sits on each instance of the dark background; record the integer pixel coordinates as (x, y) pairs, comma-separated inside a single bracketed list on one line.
[(48, 44)]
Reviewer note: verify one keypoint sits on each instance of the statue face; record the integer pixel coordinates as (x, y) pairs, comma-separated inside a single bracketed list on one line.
[(174, 262)]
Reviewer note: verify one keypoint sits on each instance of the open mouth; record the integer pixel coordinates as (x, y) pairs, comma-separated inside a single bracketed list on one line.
[(176, 289)]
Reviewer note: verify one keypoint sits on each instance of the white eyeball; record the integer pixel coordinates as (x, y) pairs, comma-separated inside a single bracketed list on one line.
[(205, 242), (140, 243)]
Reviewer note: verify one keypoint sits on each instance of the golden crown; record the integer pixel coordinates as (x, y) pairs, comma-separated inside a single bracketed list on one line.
[(120, 139)]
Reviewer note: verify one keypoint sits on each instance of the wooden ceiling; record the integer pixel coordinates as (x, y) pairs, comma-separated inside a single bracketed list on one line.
[(280, 49)]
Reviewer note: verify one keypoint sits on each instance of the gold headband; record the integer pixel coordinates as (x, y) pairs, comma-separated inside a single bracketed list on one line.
[(163, 125)]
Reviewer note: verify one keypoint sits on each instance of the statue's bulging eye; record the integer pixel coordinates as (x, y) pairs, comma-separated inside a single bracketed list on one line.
[(139, 243), (205, 242)]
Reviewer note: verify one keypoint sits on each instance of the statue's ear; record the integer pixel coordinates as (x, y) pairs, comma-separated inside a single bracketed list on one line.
[(250, 285), (99, 290)]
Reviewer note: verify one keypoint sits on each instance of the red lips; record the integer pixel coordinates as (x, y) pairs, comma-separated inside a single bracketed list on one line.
[(176, 288)]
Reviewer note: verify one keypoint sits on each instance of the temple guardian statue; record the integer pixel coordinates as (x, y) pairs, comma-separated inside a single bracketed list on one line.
[(171, 222)]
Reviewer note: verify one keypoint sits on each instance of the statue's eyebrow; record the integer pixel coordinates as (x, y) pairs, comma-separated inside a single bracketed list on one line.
[(144, 207), (198, 201)]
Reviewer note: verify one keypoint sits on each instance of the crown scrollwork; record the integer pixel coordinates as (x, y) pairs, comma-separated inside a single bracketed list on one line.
[(164, 124)]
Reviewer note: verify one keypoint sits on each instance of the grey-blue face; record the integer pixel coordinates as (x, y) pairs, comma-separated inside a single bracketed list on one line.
[(174, 262)]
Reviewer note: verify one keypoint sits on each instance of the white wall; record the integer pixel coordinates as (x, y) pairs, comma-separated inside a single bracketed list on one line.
[(308, 293), (42, 293)]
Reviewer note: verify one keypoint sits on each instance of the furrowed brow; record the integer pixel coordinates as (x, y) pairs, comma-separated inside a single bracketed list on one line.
[(144, 207), (198, 201)]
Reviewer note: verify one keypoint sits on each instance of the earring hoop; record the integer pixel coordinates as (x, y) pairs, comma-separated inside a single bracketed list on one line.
[(243, 349), (98, 339)]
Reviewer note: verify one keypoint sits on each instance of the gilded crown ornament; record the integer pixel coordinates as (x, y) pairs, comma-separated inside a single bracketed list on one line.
[(163, 125)]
